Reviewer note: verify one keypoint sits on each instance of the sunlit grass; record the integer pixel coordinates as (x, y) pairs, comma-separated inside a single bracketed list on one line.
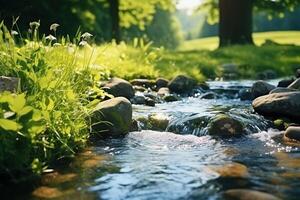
[(211, 43)]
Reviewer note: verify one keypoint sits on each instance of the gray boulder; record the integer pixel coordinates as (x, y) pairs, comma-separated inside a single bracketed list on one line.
[(225, 126), (261, 88), (293, 133), (10, 84), (245, 94), (139, 100), (285, 104), (171, 98), (112, 118), (182, 84), (209, 95), (119, 88), (295, 84)]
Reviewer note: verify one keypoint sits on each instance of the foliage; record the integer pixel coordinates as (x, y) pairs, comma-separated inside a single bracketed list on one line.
[(274, 8)]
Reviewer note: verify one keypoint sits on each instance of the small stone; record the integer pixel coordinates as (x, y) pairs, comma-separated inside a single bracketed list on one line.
[(293, 133), (171, 98), (149, 102), (143, 82), (139, 100), (245, 95), (164, 91), (285, 83), (245, 194), (158, 122), (139, 88), (47, 192), (209, 95), (112, 118), (298, 73), (119, 88), (161, 83), (224, 125), (261, 88), (232, 170), (203, 86), (182, 84), (10, 84)]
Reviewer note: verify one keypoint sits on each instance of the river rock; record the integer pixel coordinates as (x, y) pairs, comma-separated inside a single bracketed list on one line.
[(282, 90), (293, 133), (10, 84), (203, 86), (139, 88), (164, 91), (246, 194), (285, 104), (149, 102), (232, 170), (295, 84), (139, 100), (267, 74), (112, 118), (224, 125), (119, 88), (182, 84), (245, 94), (161, 83), (285, 82), (171, 98), (143, 82), (158, 122), (261, 88)]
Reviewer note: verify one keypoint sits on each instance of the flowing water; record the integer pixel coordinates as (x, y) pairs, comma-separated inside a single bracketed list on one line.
[(179, 163)]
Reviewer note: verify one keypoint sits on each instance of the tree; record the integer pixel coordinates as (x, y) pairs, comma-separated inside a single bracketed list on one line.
[(235, 17), (115, 20)]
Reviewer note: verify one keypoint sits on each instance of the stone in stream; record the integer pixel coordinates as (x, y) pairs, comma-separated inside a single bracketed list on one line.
[(245, 94), (158, 122), (203, 86), (161, 83), (246, 194), (182, 84), (298, 73), (295, 84), (164, 91), (112, 118), (45, 192), (119, 88), (267, 74), (231, 170), (149, 102), (292, 133), (10, 84), (279, 104), (285, 82), (171, 98), (139, 100), (261, 88), (282, 90), (225, 126), (139, 88)]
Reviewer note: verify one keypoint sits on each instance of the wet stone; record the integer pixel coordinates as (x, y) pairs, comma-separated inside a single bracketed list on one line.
[(245, 194), (10, 84), (47, 192)]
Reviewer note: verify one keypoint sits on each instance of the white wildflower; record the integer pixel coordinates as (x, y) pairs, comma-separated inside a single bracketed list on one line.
[(50, 38)]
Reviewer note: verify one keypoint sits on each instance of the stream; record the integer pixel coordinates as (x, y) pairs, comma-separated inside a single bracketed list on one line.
[(179, 162)]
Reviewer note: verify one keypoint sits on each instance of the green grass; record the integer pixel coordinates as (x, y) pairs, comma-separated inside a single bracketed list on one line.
[(201, 57), (211, 43)]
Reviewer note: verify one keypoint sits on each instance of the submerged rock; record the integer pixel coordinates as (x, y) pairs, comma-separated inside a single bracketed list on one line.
[(119, 88), (209, 95), (279, 104), (292, 133), (232, 170), (245, 194), (182, 84), (149, 102), (267, 74), (139, 100), (226, 126), (158, 122), (10, 84), (261, 88), (112, 118), (171, 98)]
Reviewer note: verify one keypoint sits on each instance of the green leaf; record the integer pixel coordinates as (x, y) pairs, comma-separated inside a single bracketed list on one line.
[(25, 110), (9, 125), (18, 104)]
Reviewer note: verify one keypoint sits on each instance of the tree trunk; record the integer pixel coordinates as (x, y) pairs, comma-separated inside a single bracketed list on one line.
[(235, 22), (115, 20)]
